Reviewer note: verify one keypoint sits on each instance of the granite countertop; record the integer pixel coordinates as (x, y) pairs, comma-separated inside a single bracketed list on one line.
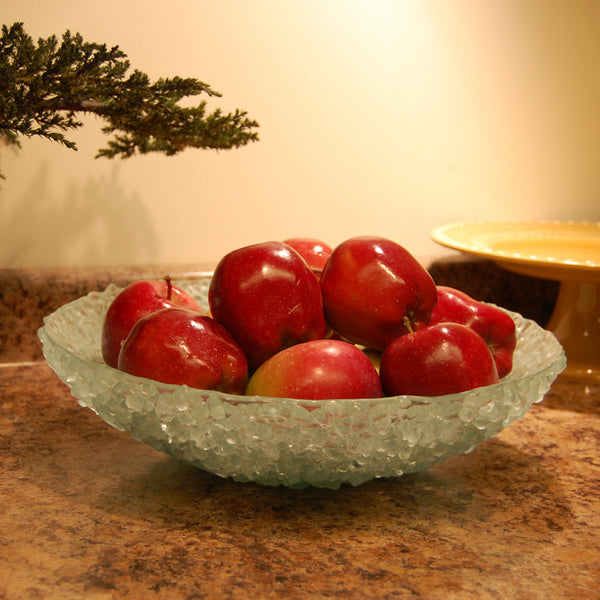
[(88, 512)]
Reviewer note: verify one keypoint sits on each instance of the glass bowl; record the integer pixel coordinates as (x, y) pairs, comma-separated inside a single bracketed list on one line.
[(280, 441)]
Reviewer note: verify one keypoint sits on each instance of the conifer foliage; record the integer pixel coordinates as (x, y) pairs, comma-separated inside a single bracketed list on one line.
[(46, 86)]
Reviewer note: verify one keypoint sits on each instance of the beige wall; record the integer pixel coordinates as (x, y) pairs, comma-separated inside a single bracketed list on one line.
[(386, 117)]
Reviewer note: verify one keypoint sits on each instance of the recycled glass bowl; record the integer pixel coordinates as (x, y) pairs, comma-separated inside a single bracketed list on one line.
[(296, 443)]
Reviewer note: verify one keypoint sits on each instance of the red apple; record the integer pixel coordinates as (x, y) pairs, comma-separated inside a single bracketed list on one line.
[(317, 370), (441, 359), (131, 304), (184, 347), (374, 291), (490, 322), (268, 298), (314, 252)]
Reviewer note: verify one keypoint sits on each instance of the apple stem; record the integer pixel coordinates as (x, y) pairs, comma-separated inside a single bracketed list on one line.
[(408, 324), (169, 287)]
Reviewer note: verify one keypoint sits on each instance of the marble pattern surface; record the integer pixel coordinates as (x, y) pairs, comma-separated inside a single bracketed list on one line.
[(88, 512)]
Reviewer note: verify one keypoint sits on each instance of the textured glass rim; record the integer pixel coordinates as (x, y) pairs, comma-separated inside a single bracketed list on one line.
[(556, 363)]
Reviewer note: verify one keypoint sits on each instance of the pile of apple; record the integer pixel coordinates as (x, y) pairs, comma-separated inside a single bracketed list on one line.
[(296, 319)]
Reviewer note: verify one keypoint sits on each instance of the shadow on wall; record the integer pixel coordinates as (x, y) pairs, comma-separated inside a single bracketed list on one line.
[(94, 223)]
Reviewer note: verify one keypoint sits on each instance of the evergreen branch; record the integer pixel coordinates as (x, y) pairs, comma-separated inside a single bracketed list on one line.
[(44, 86)]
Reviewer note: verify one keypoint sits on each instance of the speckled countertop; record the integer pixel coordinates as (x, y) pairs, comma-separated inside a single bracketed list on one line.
[(87, 512)]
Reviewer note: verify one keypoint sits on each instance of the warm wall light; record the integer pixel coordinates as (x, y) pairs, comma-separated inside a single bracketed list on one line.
[(381, 116)]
